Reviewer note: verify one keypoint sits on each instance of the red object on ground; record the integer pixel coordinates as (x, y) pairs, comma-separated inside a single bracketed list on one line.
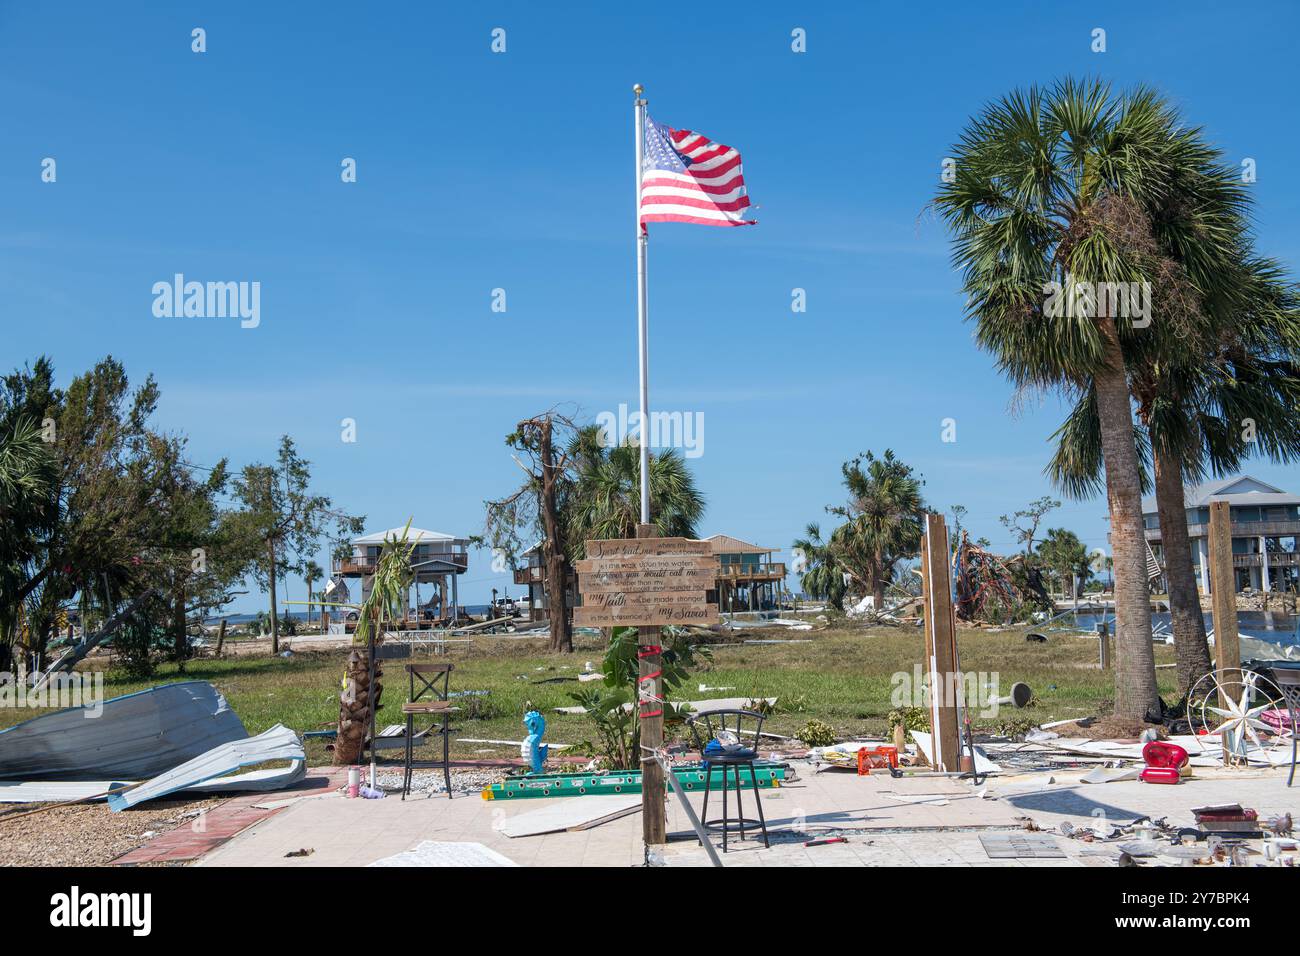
[(1160, 775), (879, 758), (1160, 754)]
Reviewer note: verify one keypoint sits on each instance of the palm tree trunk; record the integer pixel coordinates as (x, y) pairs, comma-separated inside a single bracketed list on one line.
[(878, 583), (1135, 675), (1190, 648)]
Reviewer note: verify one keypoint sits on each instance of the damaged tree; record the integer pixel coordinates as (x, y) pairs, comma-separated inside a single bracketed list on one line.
[(537, 503), (359, 700)]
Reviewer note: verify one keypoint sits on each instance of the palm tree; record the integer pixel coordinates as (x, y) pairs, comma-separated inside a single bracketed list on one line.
[(1074, 189), (311, 571), (1205, 415), (602, 493), (883, 520), (27, 508), (823, 578), (1064, 554), (360, 697)]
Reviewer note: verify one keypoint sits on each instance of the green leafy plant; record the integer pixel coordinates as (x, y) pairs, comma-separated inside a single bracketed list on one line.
[(912, 718), (816, 733), (612, 705)]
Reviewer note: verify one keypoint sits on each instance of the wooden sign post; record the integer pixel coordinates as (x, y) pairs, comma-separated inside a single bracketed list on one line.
[(1223, 591), (940, 645), (647, 583)]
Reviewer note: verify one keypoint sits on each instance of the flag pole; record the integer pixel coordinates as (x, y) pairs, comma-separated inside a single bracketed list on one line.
[(642, 318)]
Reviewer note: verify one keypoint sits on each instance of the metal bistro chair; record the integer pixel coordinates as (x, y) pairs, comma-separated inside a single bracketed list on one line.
[(738, 722), (438, 706), (1288, 681)]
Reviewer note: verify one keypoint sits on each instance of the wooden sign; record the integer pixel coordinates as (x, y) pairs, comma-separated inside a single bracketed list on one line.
[(657, 615), (646, 582), (641, 547)]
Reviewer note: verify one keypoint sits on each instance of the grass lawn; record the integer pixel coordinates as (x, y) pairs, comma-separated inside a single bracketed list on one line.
[(842, 677)]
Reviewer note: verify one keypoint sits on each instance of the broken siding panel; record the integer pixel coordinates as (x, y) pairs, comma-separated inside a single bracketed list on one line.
[(278, 743)]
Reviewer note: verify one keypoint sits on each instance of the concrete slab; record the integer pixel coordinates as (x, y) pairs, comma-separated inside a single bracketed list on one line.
[(887, 822)]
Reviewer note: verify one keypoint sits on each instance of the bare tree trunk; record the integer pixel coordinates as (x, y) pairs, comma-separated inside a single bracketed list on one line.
[(180, 637), (275, 620), (1188, 623), (1136, 695), (561, 630)]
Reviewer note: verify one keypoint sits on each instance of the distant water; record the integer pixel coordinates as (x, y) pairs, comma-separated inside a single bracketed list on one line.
[(302, 615), (1273, 626)]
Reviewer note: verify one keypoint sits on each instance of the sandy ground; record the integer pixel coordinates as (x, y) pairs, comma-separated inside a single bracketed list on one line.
[(88, 834)]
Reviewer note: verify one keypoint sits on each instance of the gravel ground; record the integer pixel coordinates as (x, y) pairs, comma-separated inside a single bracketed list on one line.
[(428, 782), (88, 834)]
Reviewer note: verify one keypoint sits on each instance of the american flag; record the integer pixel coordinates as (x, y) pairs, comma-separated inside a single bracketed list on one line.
[(685, 177)]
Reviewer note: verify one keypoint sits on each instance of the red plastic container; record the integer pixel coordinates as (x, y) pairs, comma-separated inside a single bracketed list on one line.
[(1160, 775)]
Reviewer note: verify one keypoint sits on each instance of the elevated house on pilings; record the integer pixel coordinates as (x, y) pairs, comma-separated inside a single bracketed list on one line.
[(437, 560), (748, 579), (533, 576), (1265, 532)]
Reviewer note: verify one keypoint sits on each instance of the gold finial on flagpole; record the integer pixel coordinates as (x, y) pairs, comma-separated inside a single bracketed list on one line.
[(637, 90)]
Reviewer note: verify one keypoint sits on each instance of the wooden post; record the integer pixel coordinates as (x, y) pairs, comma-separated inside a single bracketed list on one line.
[(654, 818), (1103, 641), (941, 644), (221, 636), (1223, 588)]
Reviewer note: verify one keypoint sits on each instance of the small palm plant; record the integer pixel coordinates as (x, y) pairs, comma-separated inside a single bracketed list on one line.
[(362, 685)]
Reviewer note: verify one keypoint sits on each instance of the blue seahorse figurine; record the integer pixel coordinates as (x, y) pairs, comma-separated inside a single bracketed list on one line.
[(533, 750)]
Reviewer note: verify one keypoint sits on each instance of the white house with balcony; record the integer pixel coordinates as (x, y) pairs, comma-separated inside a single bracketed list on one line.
[(437, 560), (1265, 528)]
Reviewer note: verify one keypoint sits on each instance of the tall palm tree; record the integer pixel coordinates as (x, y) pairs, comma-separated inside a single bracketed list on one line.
[(822, 578), (884, 520), (602, 493), (1073, 188), (1204, 415)]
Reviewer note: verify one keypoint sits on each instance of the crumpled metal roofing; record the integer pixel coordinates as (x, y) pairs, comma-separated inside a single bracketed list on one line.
[(134, 737), (278, 743)]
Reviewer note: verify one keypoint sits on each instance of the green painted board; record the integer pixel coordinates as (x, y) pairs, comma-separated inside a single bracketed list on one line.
[(690, 776)]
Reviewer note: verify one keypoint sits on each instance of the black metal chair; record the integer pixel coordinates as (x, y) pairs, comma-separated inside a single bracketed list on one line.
[(439, 707), (747, 726), (1288, 681)]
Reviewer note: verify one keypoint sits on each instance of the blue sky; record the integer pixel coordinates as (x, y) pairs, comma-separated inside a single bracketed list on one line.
[(479, 171)]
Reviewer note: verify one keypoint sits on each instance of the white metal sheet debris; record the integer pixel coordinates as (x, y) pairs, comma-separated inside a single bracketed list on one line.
[(278, 743), (433, 853), (570, 814)]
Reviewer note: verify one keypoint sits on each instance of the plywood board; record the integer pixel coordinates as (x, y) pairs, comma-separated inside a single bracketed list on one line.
[(571, 813), (1021, 846)]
